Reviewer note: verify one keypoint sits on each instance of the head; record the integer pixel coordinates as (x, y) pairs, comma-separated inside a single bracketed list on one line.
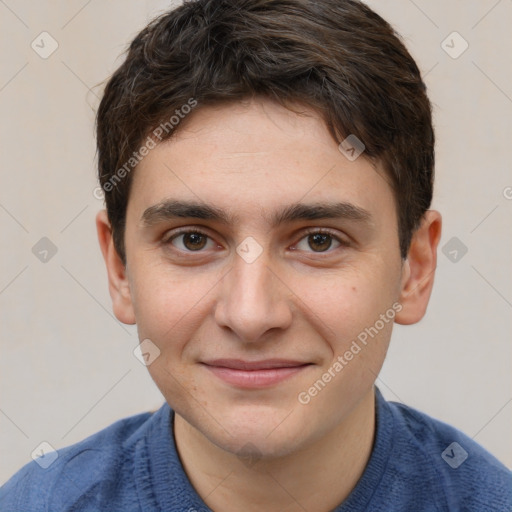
[(232, 121)]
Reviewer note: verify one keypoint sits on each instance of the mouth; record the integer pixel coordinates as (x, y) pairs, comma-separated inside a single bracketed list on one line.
[(254, 374)]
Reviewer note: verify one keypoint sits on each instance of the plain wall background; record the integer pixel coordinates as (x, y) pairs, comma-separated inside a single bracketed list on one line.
[(67, 367)]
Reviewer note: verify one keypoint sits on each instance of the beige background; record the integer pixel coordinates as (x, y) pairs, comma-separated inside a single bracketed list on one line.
[(67, 367)]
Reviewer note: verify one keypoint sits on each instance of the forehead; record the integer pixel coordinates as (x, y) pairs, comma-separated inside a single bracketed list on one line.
[(256, 156)]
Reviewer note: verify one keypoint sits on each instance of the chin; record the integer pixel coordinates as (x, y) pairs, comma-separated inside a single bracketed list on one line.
[(260, 432), (259, 446)]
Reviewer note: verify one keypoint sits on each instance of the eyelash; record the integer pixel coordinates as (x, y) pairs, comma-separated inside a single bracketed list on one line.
[(310, 231)]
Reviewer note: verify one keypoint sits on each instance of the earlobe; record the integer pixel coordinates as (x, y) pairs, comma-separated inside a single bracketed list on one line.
[(118, 283), (419, 269)]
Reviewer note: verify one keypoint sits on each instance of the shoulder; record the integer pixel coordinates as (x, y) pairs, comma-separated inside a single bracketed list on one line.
[(80, 472), (450, 464)]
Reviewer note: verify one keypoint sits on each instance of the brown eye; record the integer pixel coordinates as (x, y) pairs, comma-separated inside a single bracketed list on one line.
[(190, 241), (194, 241), (319, 241)]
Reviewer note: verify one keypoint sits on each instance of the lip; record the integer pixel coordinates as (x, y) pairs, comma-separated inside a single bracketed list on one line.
[(254, 374)]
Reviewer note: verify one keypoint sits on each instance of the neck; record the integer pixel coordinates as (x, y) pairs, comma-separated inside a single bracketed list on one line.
[(317, 477)]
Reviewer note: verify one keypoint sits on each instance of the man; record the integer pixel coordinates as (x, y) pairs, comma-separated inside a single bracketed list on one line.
[(268, 172)]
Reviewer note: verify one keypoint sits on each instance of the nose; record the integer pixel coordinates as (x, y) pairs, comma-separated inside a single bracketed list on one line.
[(253, 300)]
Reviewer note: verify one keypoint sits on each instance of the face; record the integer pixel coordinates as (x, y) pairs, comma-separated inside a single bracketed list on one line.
[(254, 295)]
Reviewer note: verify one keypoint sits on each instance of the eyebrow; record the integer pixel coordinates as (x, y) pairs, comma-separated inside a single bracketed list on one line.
[(172, 209)]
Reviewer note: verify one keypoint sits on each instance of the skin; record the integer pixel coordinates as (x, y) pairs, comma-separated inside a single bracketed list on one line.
[(299, 300)]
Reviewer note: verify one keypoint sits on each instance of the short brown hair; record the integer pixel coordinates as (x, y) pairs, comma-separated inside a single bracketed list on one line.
[(337, 56)]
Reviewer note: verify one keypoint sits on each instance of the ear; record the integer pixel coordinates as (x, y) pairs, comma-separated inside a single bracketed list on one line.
[(419, 268), (118, 284)]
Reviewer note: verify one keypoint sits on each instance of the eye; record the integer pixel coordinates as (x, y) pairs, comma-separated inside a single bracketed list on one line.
[(190, 241), (319, 240), (315, 240)]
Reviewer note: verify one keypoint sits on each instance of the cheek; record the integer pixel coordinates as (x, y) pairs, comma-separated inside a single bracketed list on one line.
[(170, 309), (347, 302), (168, 305)]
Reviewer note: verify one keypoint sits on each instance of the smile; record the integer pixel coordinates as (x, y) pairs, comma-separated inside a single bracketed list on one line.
[(254, 374)]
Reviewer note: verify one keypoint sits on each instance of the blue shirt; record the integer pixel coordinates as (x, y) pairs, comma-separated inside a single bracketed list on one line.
[(418, 464)]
